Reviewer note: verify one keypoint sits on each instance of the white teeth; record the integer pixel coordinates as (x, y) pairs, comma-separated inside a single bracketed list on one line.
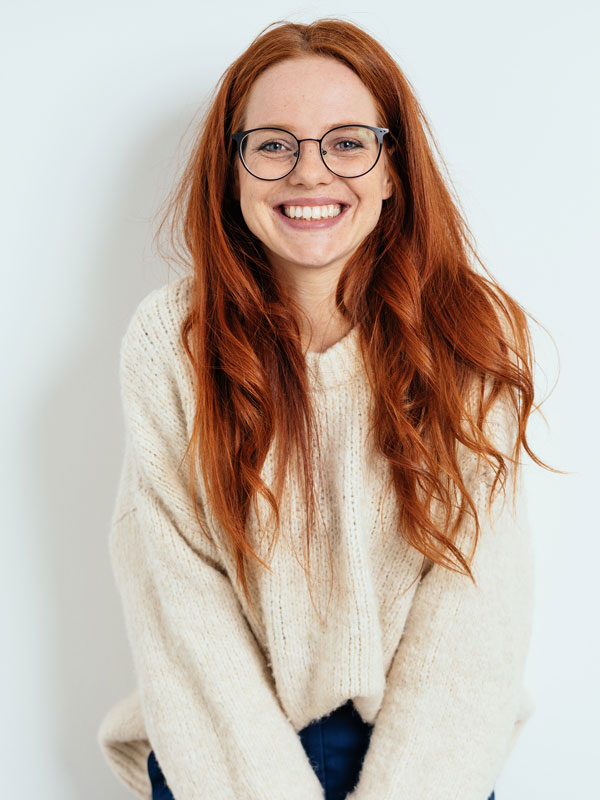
[(312, 212)]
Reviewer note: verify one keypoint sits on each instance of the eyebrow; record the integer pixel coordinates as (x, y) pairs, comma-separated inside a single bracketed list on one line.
[(288, 127)]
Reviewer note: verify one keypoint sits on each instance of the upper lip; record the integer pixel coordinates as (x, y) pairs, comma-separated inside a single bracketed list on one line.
[(312, 201)]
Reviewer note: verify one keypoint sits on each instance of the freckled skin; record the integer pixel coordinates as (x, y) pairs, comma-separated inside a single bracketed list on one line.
[(311, 94)]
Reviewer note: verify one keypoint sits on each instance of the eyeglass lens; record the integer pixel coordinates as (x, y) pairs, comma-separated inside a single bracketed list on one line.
[(349, 152)]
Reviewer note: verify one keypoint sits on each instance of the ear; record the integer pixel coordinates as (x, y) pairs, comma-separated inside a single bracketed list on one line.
[(388, 184), (388, 188)]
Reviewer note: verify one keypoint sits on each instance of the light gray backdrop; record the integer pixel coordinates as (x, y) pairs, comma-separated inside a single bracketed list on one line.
[(96, 98)]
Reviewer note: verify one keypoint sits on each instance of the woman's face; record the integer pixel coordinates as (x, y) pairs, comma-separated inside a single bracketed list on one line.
[(308, 96)]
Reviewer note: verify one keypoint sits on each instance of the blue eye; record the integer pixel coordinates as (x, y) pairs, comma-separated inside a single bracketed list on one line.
[(349, 141), (265, 147)]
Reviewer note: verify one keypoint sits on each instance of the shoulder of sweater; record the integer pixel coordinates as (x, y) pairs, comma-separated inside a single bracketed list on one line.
[(153, 333)]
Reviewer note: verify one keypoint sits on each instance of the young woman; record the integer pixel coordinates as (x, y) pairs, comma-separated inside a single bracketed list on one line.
[(334, 597)]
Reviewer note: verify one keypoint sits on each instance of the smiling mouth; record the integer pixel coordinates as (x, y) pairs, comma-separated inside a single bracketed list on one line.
[(312, 213)]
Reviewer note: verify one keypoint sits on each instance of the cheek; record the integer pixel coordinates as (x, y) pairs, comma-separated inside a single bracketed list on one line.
[(372, 205), (254, 211), (248, 209), (374, 213), (373, 198), (371, 193), (245, 198)]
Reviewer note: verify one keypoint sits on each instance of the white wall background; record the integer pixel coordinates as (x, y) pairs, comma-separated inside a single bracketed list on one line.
[(95, 100)]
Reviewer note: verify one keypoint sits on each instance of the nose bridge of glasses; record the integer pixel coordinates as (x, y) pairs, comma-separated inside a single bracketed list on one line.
[(319, 142)]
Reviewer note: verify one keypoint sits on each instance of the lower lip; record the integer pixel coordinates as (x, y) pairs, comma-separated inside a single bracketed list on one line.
[(310, 224)]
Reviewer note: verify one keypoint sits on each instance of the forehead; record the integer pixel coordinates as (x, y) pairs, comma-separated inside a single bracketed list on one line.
[(312, 91)]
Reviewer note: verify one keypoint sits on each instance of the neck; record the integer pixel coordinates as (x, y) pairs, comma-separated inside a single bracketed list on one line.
[(322, 334), (312, 291)]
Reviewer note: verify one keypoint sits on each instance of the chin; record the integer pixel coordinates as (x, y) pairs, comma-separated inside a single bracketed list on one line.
[(311, 259)]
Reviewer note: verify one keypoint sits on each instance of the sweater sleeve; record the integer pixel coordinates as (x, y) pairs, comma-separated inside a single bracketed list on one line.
[(451, 703), (206, 691)]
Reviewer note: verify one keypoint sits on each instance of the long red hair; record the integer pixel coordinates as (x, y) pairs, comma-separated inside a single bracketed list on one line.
[(430, 327)]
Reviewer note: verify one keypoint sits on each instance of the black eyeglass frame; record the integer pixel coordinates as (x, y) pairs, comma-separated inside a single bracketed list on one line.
[(238, 138)]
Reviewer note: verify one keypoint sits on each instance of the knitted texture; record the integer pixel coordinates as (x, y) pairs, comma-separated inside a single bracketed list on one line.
[(222, 689)]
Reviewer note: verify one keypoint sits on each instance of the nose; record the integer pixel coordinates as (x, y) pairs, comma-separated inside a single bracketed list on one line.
[(310, 167)]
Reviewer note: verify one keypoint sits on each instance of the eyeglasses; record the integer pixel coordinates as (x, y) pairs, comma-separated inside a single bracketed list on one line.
[(348, 151)]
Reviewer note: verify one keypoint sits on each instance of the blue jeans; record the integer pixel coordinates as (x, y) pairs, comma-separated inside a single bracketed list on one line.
[(335, 745)]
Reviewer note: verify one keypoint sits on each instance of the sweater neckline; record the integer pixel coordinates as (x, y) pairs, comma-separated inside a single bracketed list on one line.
[(338, 364)]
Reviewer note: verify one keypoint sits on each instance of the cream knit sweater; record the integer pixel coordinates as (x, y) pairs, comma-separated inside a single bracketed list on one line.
[(221, 693)]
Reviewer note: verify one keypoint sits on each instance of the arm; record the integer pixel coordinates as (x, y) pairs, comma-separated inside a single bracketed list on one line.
[(452, 696), (207, 694)]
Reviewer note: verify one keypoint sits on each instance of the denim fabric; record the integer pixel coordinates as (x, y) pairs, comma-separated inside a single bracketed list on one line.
[(160, 790), (335, 745)]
